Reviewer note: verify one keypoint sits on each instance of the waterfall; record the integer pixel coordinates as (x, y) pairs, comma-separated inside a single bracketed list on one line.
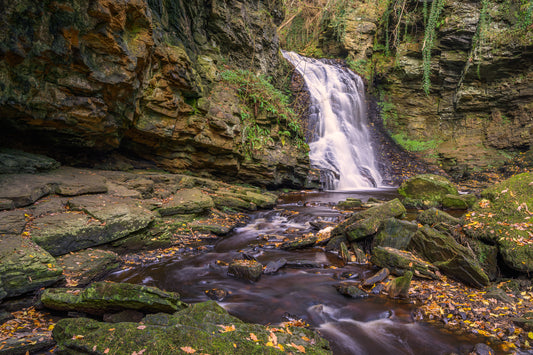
[(340, 145)]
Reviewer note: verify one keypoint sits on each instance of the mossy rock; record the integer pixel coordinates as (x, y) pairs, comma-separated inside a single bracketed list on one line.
[(187, 201), (249, 270), (85, 266), (400, 261), (350, 203), (458, 202), (370, 220), (501, 218), (105, 297), (203, 328), (16, 162), (434, 216), (395, 233), (452, 258), (487, 255), (399, 287), (350, 290), (426, 190), (25, 267)]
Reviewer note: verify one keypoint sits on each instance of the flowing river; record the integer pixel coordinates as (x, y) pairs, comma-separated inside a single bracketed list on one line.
[(304, 288)]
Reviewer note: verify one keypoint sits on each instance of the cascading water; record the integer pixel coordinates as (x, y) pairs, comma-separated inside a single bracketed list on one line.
[(340, 145)]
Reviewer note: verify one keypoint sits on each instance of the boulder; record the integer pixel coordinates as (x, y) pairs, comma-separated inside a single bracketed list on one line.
[(350, 290), (249, 270), (395, 233), (365, 223), (433, 216), (273, 266), (426, 190), (350, 203), (450, 257), (400, 261), (305, 241), (82, 267), (187, 201), (525, 321), (399, 287), (458, 202), (36, 343), (201, 328), (359, 254), (25, 267), (71, 231), (487, 255), (105, 297)]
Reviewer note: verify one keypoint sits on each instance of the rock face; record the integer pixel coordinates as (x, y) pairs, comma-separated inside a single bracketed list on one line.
[(203, 327), (144, 76)]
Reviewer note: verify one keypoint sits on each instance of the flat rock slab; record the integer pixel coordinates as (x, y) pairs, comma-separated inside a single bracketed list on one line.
[(12, 222), (27, 344), (25, 267), (187, 201), (105, 297), (85, 266), (65, 232), (377, 277), (16, 162), (201, 328), (25, 189)]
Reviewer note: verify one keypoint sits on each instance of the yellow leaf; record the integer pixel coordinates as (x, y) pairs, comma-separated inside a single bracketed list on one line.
[(51, 327), (300, 348), (253, 337), (78, 337), (530, 335), (188, 349), (226, 328), (269, 344)]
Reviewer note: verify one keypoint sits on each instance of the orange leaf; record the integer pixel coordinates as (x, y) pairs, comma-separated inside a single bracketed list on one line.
[(188, 349), (106, 351)]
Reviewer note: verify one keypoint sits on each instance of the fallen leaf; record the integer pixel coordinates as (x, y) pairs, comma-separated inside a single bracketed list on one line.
[(253, 337), (141, 327), (188, 349), (106, 351)]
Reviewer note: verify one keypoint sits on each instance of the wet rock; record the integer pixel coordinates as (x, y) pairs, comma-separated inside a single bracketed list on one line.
[(65, 232), (350, 290), (350, 203), (400, 261), (304, 264), (434, 216), (128, 315), (187, 201), (525, 322), (25, 267), (17, 162), (498, 294), (482, 349), (377, 277), (449, 256), (344, 253), (204, 327), (394, 233), (33, 344), (105, 297), (362, 228), (80, 268), (249, 270), (425, 190), (335, 242), (216, 294), (305, 241), (399, 287), (273, 266)]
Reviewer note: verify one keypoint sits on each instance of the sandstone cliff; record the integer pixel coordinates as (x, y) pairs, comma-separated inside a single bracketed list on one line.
[(143, 76)]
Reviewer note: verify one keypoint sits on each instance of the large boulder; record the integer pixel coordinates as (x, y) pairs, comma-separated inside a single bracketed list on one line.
[(362, 224), (71, 231), (434, 216), (395, 233), (502, 218), (201, 328), (401, 261), (25, 267), (426, 190), (452, 258), (104, 297)]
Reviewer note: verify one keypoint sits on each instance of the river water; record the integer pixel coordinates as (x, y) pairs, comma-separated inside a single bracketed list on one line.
[(304, 288)]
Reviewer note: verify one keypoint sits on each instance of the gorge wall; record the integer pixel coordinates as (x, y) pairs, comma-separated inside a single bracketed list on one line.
[(144, 76), (478, 113)]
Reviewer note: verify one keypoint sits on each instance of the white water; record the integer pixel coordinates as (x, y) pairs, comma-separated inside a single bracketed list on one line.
[(340, 144)]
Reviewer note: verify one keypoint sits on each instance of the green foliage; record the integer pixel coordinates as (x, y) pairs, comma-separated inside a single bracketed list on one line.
[(260, 98), (360, 66), (412, 145), (429, 39)]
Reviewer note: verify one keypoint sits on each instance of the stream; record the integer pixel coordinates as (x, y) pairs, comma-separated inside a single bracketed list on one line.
[(304, 288)]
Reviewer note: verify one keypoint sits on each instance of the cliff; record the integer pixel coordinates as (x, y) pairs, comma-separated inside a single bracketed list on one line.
[(144, 77)]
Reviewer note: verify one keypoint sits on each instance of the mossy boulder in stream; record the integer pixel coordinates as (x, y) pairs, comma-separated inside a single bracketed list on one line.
[(201, 328), (452, 258), (426, 190), (399, 262), (249, 270), (104, 297), (395, 233)]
